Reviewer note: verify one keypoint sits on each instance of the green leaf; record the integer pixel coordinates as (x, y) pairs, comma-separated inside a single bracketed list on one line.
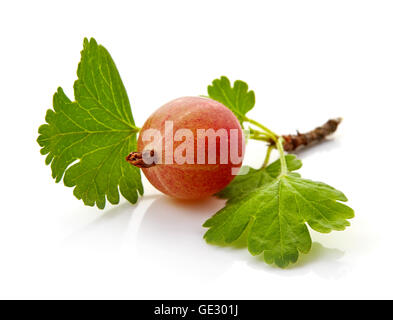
[(236, 98), (256, 178), (96, 131), (276, 215)]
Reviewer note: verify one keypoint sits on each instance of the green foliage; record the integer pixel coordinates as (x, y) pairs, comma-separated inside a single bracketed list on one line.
[(96, 131), (236, 98), (255, 178), (269, 207), (275, 213), (86, 142)]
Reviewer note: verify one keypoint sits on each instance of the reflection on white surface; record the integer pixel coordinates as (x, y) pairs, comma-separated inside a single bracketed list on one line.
[(106, 232), (324, 262), (165, 236), (170, 237)]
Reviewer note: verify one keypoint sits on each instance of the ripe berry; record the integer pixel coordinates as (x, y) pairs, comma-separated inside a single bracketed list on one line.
[(187, 168)]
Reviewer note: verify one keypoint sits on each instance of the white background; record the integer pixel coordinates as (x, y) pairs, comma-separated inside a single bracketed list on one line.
[(307, 61)]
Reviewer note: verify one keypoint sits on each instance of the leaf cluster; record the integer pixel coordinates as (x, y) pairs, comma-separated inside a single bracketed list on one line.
[(272, 207)]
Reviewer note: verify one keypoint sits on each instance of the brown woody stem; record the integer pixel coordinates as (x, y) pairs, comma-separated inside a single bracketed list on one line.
[(292, 142)]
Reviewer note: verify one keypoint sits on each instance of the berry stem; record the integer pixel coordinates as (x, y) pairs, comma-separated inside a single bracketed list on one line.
[(267, 157), (279, 145), (270, 133), (259, 135), (293, 142), (290, 143)]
